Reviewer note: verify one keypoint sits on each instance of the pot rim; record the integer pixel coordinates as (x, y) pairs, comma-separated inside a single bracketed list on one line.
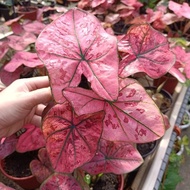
[(10, 176)]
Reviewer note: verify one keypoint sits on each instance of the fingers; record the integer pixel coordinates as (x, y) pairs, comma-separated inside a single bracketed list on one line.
[(29, 84), (36, 120), (39, 109), (39, 96), (36, 82)]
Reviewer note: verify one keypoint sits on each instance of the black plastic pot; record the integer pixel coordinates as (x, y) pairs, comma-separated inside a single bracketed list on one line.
[(146, 149), (166, 105)]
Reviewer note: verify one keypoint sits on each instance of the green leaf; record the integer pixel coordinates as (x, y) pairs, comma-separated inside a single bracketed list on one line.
[(172, 178)]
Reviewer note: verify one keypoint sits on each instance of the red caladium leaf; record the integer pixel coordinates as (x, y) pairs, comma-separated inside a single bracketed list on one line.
[(19, 43), (133, 117), (114, 157), (146, 50), (77, 44), (69, 138), (32, 139), (23, 58), (60, 181), (41, 168), (8, 146)]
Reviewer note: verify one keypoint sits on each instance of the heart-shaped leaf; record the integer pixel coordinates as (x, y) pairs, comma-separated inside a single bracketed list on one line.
[(60, 181), (181, 64), (114, 157), (41, 168), (8, 146), (8, 77), (70, 140), (77, 44), (34, 27), (133, 117), (181, 10), (31, 139), (145, 50), (23, 58), (19, 43)]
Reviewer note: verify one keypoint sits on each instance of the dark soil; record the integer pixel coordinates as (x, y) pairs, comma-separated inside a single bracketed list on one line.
[(146, 148), (107, 182), (17, 164)]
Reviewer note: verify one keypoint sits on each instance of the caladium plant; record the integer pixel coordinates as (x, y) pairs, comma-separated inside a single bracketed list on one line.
[(99, 113)]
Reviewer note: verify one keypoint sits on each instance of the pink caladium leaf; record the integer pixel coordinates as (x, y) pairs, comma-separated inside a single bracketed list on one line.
[(112, 18), (19, 43), (77, 44), (41, 168), (23, 58), (187, 70), (34, 27), (145, 50), (180, 69), (177, 74), (15, 25), (31, 139), (60, 181), (114, 157), (10, 22), (169, 18), (133, 117), (181, 10), (83, 4), (3, 48), (69, 138), (8, 77), (8, 146)]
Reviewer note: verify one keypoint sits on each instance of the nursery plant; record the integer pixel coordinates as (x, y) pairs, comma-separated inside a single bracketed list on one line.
[(172, 175), (99, 112)]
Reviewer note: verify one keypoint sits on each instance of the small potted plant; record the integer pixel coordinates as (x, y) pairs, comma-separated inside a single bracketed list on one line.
[(99, 113), (14, 164)]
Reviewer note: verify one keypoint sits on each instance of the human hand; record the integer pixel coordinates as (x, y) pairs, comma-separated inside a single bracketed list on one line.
[(23, 102)]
